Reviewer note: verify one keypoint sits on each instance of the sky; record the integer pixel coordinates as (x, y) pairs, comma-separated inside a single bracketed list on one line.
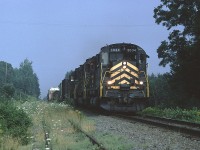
[(59, 35)]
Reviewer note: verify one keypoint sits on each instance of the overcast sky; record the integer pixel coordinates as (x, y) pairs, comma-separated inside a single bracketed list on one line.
[(59, 35)]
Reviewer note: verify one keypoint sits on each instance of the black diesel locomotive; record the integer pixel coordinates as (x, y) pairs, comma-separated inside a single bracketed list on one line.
[(115, 79)]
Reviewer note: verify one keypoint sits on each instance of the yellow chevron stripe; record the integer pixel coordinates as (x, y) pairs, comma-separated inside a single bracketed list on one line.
[(119, 77), (120, 64), (127, 70), (113, 81), (132, 66), (133, 87), (132, 73), (136, 81), (115, 73), (123, 75), (124, 82), (115, 87), (116, 66)]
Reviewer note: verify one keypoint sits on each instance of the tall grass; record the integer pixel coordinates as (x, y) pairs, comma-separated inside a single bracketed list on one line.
[(53, 118), (56, 119), (192, 115), (14, 125)]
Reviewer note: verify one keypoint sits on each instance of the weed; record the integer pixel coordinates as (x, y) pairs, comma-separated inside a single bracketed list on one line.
[(14, 122), (192, 115)]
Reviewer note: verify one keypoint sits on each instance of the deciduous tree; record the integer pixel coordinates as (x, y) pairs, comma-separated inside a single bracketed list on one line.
[(182, 49)]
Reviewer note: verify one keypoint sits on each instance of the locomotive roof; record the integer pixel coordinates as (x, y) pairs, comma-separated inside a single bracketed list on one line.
[(54, 89), (122, 44)]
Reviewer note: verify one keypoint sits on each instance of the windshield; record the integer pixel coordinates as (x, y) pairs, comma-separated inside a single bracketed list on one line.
[(130, 56), (116, 56)]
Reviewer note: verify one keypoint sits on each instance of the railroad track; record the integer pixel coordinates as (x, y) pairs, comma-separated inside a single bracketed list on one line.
[(188, 128), (91, 138), (185, 127)]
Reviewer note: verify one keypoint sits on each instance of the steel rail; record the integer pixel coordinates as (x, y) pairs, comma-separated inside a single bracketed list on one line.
[(91, 138), (176, 125), (191, 124)]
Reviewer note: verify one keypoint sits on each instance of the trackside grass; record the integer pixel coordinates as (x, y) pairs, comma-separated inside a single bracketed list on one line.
[(14, 125), (192, 115), (61, 122), (53, 119)]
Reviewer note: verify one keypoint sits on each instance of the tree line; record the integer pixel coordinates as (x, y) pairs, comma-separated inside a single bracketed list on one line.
[(181, 51), (16, 82)]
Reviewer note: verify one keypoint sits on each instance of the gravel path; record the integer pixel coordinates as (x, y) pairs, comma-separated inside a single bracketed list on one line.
[(145, 137)]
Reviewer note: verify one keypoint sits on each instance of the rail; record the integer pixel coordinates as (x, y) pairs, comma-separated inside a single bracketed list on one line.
[(177, 125), (92, 139)]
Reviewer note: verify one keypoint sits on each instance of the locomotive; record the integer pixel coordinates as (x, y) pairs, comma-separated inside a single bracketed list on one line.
[(115, 79)]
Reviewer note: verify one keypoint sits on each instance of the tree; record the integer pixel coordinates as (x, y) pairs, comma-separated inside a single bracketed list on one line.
[(26, 80), (161, 93), (6, 79), (182, 49), (8, 90), (6, 73)]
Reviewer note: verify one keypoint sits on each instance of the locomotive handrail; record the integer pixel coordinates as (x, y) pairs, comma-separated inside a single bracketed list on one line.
[(104, 76), (101, 80)]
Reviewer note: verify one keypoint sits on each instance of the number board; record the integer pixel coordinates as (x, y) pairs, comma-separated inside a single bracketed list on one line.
[(131, 50), (115, 50)]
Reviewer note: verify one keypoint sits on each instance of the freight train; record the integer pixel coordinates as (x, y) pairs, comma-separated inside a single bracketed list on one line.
[(115, 79)]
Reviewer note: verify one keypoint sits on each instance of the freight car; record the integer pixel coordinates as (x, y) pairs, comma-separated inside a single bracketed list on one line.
[(115, 79), (53, 94)]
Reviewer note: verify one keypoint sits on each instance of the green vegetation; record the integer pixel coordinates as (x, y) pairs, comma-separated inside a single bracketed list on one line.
[(192, 115), (181, 50), (162, 94), (14, 124), (160, 91), (17, 85), (61, 121), (18, 82), (113, 142)]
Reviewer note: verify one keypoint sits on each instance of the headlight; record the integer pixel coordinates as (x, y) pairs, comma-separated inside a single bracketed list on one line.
[(141, 82), (124, 63), (109, 82), (124, 67)]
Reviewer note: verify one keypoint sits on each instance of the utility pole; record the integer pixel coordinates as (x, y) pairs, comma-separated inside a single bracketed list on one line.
[(6, 72)]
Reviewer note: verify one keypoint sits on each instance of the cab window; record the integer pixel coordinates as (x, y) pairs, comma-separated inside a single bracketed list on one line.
[(130, 56), (116, 56), (142, 58), (104, 58)]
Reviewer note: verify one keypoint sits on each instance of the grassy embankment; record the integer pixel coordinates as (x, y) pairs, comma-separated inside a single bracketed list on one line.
[(192, 115), (55, 119)]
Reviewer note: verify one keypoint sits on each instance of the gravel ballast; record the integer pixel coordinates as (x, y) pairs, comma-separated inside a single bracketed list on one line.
[(145, 136)]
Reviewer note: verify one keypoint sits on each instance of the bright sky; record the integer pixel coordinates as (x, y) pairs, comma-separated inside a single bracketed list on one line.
[(59, 35)]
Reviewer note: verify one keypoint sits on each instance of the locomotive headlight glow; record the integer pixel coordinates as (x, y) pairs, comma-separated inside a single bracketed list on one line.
[(124, 63), (109, 82), (141, 82)]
